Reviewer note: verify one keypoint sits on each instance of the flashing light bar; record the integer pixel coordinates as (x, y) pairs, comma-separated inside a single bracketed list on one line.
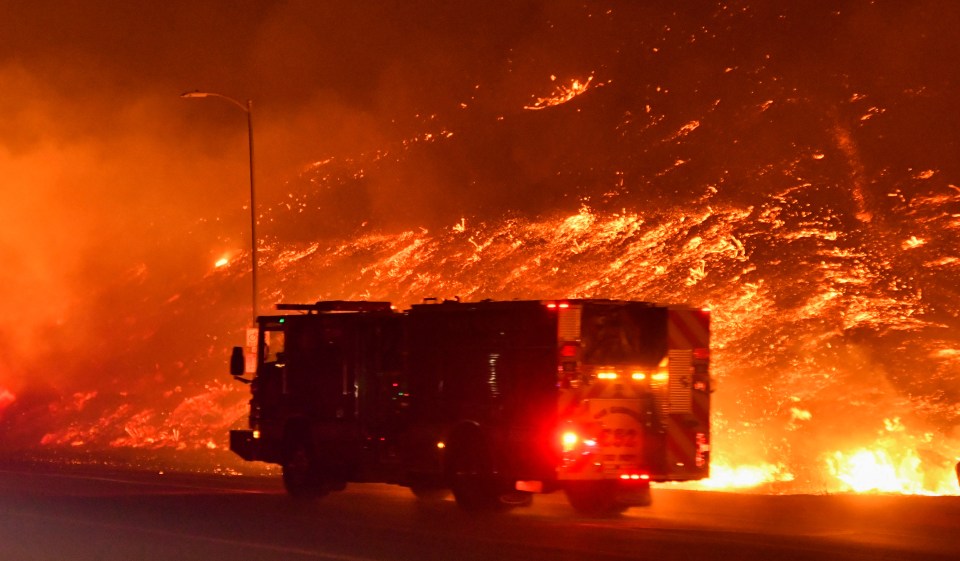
[(606, 375), (555, 305), (638, 376), (634, 476), (660, 377)]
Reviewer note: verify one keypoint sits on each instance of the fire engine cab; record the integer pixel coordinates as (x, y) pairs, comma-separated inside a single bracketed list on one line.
[(492, 400)]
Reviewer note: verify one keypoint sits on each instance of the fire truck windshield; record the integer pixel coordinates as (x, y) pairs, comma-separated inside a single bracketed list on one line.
[(273, 346)]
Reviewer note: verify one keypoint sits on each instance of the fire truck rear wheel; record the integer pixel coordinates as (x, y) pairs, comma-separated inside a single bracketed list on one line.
[(429, 493), (475, 487), (595, 498), (301, 476)]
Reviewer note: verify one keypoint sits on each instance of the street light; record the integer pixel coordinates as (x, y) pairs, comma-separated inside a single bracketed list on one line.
[(248, 109)]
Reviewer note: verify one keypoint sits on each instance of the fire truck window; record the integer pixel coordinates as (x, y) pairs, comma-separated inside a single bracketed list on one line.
[(622, 335), (273, 343)]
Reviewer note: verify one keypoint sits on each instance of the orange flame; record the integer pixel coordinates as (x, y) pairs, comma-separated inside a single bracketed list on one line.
[(563, 94)]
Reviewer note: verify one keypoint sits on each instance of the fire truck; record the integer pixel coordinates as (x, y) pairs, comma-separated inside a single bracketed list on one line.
[(493, 401)]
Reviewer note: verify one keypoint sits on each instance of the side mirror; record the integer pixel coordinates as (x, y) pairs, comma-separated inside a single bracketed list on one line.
[(238, 363)]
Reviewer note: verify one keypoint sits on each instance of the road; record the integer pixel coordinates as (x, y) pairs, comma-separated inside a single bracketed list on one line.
[(50, 512)]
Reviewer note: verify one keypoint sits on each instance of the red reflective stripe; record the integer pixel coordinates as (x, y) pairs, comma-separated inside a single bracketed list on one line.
[(689, 329), (681, 446), (700, 407)]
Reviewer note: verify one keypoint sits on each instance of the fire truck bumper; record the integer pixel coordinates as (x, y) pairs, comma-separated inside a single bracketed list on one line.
[(243, 444)]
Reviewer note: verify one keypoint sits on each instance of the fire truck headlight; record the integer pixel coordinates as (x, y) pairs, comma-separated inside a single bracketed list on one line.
[(569, 440)]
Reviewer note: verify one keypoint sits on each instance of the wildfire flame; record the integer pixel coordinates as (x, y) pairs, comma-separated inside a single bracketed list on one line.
[(562, 94)]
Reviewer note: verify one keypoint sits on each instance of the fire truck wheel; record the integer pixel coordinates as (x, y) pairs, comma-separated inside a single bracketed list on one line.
[(474, 486), (301, 477), (595, 498), (429, 493)]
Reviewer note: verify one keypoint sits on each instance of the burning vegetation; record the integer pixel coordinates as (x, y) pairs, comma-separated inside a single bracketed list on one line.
[(788, 170)]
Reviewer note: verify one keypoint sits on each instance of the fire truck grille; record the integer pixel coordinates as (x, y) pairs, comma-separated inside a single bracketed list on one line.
[(678, 392)]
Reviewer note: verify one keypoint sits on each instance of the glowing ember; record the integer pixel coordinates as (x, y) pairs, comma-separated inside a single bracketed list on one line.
[(223, 261)]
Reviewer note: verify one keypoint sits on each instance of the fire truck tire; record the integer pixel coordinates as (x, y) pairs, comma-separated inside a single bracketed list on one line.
[(595, 498), (475, 487), (428, 493), (301, 476)]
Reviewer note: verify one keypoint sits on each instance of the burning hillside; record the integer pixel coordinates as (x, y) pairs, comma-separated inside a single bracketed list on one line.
[(791, 170)]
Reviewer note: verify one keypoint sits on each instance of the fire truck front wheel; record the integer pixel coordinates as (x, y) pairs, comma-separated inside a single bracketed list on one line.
[(302, 477)]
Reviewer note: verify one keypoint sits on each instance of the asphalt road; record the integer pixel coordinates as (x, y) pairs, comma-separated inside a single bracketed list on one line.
[(51, 512)]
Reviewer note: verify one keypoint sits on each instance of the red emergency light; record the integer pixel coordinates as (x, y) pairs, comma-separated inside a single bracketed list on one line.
[(634, 476)]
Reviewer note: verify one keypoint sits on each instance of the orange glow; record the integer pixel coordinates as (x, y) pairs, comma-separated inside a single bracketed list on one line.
[(6, 398), (223, 261)]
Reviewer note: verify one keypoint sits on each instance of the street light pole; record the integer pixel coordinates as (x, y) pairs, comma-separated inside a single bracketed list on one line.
[(248, 109)]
